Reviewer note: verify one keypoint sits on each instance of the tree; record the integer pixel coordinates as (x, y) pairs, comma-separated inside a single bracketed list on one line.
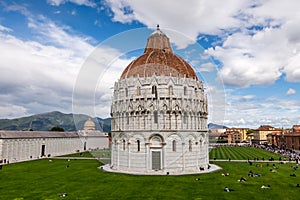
[(249, 131), (57, 128)]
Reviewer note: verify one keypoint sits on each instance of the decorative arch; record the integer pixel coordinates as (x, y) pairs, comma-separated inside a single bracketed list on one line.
[(138, 91), (137, 143), (155, 115), (156, 140), (122, 136), (170, 90), (154, 91), (171, 135)]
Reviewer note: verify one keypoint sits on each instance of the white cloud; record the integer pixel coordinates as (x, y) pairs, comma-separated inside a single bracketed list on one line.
[(206, 67), (61, 37), (3, 28), (290, 91), (73, 12), (261, 56), (42, 77), (93, 88), (11, 111), (261, 38), (191, 18), (255, 111), (39, 76), (252, 59), (78, 2)]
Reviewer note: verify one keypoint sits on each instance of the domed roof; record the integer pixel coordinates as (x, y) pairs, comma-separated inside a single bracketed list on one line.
[(158, 58), (89, 125)]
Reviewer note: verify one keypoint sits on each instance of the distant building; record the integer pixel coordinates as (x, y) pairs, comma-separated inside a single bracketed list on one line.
[(234, 137), (260, 134), (239, 134), (159, 114), (92, 138), (229, 135), (286, 139), (223, 138), (18, 146), (215, 134)]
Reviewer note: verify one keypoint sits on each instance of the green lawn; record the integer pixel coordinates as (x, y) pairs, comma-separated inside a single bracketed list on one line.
[(85, 154), (101, 153), (241, 153), (42, 179)]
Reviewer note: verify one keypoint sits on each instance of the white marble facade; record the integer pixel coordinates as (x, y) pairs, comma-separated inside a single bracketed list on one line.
[(16, 146), (159, 122)]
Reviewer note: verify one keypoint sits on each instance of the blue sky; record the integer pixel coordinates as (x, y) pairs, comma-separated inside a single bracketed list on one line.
[(246, 51)]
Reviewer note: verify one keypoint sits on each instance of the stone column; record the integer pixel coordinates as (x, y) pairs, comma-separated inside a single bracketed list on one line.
[(183, 156), (128, 153)]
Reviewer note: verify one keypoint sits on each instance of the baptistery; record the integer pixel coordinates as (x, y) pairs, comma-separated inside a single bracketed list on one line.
[(159, 114)]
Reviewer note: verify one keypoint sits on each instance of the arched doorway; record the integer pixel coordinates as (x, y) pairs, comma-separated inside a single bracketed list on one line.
[(156, 152)]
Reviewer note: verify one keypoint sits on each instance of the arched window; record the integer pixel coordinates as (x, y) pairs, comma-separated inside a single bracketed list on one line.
[(170, 90), (123, 145), (138, 91), (154, 91), (126, 92), (127, 118), (185, 118), (155, 117), (184, 91), (138, 145), (190, 145), (174, 145)]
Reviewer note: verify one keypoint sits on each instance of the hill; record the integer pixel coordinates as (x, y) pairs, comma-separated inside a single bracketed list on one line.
[(45, 121), (212, 126)]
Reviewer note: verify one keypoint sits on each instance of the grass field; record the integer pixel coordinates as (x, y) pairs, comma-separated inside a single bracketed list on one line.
[(85, 154), (241, 153), (42, 179)]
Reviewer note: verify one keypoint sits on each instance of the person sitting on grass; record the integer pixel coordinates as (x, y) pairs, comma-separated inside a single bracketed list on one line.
[(250, 173), (63, 195), (293, 175), (227, 174), (298, 185), (265, 187), (226, 189), (258, 175), (242, 179)]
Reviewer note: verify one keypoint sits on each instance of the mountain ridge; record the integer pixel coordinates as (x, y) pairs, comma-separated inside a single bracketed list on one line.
[(69, 122), (45, 121)]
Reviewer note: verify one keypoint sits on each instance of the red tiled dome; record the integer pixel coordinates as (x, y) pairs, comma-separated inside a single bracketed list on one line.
[(158, 58)]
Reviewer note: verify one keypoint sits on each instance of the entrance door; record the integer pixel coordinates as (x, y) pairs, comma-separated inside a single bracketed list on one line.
[(84, 146), (43, 150), (156, 165)]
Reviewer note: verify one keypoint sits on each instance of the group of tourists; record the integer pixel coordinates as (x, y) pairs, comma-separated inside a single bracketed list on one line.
[(290, 154)]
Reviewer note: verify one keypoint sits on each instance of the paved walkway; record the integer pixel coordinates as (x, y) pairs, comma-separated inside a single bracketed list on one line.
[(253, 161), (212, 168)]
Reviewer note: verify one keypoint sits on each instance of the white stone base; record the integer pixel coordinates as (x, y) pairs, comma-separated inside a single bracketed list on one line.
[(212, 168)]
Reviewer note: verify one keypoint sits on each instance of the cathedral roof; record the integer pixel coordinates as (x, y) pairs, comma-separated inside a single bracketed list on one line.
[(36, 134), (158, 58)]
